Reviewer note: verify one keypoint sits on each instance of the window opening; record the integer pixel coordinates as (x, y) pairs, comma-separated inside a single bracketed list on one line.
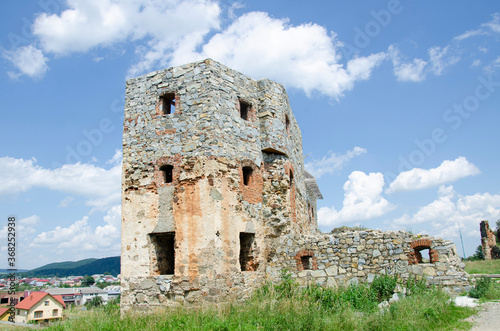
[(168, 103), (287, 124), (55, 312), (247, 262), (38, 314), (165, 252), (306, 262), (247, 174), (425, 256), (291, 177), (167, 171), (244, 109)]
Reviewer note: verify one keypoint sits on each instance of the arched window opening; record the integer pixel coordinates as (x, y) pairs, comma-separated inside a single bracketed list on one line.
[(422, 252)]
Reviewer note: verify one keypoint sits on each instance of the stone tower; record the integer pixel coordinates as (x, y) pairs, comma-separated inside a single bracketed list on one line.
[(213, 174)]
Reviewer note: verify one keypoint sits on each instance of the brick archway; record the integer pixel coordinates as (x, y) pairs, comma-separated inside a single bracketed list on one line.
[(415, 257)]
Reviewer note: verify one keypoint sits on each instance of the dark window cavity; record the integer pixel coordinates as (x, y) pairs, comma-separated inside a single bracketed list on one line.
[(247, 175), (168, 103), (167, 171), (246, 252), (164, 244), (244, 109), (306, 262)]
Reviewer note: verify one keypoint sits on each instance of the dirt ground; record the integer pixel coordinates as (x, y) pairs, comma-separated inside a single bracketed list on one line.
[(488, 318)]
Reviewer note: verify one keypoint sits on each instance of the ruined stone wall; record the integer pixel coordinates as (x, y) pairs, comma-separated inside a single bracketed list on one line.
[(223, 169), (488, 242), (216, 200), (359, 256)]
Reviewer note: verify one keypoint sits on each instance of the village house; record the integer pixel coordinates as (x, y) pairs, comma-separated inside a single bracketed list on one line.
[(4, 313), (39, 307)]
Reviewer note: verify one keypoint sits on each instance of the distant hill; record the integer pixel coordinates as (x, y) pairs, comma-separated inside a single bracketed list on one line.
[(5, 271), (76, 268)]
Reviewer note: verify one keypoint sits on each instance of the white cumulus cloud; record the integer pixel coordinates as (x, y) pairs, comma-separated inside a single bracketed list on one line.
[(329, 164), (27, 60), (101, 186), (418, 178), (103, 240), (451, 211), (303, 56), (362, 201)]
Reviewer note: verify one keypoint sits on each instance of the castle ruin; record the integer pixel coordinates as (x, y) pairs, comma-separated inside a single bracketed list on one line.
[(216, 200), (488, 242)]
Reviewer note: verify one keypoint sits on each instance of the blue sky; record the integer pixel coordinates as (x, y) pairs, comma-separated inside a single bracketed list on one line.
[(398, 103)]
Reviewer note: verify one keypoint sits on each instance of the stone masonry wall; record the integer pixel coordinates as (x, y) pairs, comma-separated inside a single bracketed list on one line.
[(215, 198), (359, 256), (225, 167)]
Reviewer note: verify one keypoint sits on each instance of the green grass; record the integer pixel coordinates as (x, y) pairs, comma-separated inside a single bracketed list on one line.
[(285, 306), (483, 267)]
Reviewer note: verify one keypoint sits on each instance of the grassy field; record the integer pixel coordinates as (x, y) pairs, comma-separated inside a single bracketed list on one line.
[(285, 306), (483, 267)]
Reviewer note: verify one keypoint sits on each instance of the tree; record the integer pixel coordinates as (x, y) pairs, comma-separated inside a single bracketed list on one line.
[(107, 273), (88, 280), (102, 285), (478, 255), (94, 302)]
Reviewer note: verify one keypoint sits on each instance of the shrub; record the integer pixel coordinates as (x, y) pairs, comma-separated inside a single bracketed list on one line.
[(383, 287), (94, 302), (415, 286), (482, 286)]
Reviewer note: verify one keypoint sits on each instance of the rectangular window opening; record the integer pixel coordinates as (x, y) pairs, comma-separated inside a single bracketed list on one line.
[(38, 314), (291, 178), (165, 252), (168, 103), (247, 261), (244, 109), (306, 262), (287, 124), (167, 171), (55, 312), (247, 175)]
